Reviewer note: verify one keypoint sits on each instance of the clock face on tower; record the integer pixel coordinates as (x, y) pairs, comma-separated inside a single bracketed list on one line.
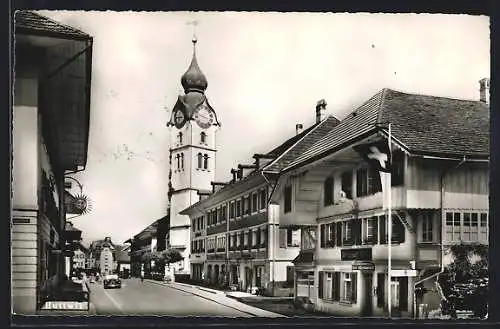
[(203, 116), (179, 119)]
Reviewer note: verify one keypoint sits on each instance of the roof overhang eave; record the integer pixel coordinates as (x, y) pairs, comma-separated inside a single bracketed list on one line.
[(332, 151), (52, 34)]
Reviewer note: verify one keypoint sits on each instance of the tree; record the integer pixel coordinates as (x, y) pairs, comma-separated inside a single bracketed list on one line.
[(465, 284), (170, 256)]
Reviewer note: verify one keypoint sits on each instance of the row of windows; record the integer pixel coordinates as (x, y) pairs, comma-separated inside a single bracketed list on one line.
[(367, 183), (237, 208), (466, 226), (203, 138), (202, 161), (370, 230), (256, 238), (218, 243)]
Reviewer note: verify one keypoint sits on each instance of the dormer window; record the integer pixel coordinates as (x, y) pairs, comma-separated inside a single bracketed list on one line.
[(203, 137)]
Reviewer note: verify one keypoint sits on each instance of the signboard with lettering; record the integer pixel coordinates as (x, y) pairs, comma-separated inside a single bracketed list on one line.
[(363, 254), (363, 267), (398, 273), (65, 305)]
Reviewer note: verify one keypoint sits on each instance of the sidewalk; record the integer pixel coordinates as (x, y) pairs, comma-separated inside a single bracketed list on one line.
[(69, 302), (219, 297)]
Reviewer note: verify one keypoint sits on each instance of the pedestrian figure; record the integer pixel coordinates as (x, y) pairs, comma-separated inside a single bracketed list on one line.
[(142, 277)]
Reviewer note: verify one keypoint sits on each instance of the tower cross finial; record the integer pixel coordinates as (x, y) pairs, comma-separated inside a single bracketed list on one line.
[(194, 23)]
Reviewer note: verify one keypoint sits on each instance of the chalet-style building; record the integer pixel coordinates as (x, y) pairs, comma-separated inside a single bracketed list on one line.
[(440, 176), (154, 237), (50, 130), (235, 237)]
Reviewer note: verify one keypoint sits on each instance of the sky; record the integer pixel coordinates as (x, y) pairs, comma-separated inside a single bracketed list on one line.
[(265, 72)]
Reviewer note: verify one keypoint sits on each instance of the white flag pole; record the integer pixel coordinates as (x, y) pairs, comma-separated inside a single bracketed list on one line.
[(389, 221)]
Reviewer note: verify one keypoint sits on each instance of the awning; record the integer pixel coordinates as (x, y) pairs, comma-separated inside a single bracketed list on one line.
[(304, 257)]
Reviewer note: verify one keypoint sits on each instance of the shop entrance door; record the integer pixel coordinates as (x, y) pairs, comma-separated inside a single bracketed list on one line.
[(368, 295)]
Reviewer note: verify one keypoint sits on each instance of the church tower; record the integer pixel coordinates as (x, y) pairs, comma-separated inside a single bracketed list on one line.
[(193, 126)]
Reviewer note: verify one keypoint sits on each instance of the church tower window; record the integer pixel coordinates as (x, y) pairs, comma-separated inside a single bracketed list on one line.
[(179, 138), (182, 161), (203, 137), (205, 161), (200, 161)]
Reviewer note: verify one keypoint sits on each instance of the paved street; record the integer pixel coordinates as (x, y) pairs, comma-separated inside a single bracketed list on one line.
[(149, 298)]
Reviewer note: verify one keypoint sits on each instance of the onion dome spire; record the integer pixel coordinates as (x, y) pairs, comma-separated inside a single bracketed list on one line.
[(194, 79)]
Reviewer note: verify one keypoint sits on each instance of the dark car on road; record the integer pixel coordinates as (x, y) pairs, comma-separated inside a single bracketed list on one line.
[(112, 281)]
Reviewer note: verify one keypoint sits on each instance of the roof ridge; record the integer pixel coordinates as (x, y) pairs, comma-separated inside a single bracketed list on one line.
[(432, 96), (381, 103), (312, 128)]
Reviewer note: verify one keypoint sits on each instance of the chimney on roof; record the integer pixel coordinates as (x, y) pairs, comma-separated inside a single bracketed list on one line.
[(203, 195), (320, 110), (262, 159), (215, 184), (298, 128), (484, 90), (234, 172), (242, 169)]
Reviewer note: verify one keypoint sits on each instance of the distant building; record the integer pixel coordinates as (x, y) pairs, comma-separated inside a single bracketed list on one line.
[(50, 128), (107, 264), (153, 238), (122, 259)]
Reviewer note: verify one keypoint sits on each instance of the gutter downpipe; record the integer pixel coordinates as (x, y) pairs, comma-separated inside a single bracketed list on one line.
[(272, 245), (436, 275)]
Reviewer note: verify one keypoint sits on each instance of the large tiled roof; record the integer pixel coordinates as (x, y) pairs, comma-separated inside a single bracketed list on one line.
[(424, 124), (31, 22), (300, 145)]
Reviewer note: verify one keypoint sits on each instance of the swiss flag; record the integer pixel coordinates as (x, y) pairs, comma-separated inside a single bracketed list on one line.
[(377, 154)]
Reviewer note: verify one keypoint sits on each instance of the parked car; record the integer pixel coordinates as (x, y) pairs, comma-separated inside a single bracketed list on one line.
[(112, 281)]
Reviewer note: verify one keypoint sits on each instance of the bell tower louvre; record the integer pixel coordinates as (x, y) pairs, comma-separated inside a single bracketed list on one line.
[(193, 148)]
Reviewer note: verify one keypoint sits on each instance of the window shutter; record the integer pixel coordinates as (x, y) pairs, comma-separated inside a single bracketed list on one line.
[(289, 236), (334, 232), (250, 238), (357, 231), (398, 232), (338, 231), (336, 286), (320, 285), (354, 294), (323, 235), (375, 230), (282, 237), (382, 227)]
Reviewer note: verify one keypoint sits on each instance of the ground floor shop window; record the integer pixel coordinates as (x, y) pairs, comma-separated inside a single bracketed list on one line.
[(338, 286)]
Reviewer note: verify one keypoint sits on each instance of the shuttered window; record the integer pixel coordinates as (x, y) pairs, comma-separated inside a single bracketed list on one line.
[(320, 285), (282, 237), (328, 192), (336, 286), (288, 199)]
